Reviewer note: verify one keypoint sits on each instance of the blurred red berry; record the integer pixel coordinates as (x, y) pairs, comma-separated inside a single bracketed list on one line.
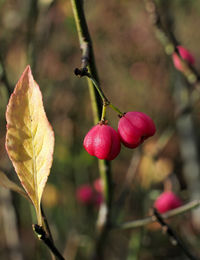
[(84, 194), (185, 55), (167, 201), (134, 128), (103, 142), (98, 185), (97, 198)]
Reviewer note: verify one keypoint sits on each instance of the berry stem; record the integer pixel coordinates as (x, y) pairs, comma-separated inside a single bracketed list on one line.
[(103, 115), (116, 109), (100, 91), (105, 100)]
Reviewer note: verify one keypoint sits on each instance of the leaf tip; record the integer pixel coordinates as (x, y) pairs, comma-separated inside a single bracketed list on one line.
[(27, 71)]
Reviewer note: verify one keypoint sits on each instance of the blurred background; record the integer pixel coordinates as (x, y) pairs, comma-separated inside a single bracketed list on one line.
[(136, 75)]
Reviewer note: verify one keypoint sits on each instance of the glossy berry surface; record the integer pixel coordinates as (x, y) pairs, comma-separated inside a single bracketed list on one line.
[(84, 194), (185, 55), (167, 201), (103, 142), (134, 128)]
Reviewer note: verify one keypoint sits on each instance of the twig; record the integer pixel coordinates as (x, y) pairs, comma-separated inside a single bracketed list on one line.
[(106, 102), (173, 237), (87, 59), (46, 224), (172, 213), (42, 235), (169, 42)]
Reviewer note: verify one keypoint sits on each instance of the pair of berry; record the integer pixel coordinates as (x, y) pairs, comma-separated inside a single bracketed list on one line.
[(90, 195), (104, 142)]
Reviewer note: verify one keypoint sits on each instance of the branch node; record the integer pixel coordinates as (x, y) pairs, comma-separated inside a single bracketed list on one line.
[(81, 72)]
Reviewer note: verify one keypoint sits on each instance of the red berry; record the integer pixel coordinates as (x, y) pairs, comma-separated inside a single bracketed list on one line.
[(98, 185), (84, 194), (167, 201), (185, 55), (134, 128), (103, 142)]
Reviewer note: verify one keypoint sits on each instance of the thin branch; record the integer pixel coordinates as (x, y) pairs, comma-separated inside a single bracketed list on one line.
[(87, 59), (88, 62), (46, 224), (172, 235), (106, 102), (42, 235), (172, 213), (169, 42)]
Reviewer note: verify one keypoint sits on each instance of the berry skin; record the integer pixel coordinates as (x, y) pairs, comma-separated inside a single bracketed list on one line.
[(167, 201), (185, 55), (134, 128), (84, 194), (103, 142)]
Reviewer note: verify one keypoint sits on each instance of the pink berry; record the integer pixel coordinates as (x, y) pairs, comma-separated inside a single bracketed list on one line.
[(98, 185), (84, 194), (185, 55), (134, 128), (103, 142), (167, 201)]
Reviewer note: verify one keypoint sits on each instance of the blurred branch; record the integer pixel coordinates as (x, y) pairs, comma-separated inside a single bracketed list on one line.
[(10, 225), (88, 61), (4, 77), (31, 25), (169, 41), (173, 237), (130, 175), (172, 213)]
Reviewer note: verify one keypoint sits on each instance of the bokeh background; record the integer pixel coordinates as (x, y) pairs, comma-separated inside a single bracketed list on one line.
[(136, 75)]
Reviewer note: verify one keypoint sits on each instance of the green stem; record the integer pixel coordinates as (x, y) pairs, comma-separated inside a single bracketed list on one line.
[(100, 91), (88, 62), (103, 97), (87, 56), (116, 109), (103, 115)]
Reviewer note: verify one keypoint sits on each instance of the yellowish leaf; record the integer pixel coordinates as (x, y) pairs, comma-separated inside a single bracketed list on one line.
[(151, 171), (29, 138), (6, 183)]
